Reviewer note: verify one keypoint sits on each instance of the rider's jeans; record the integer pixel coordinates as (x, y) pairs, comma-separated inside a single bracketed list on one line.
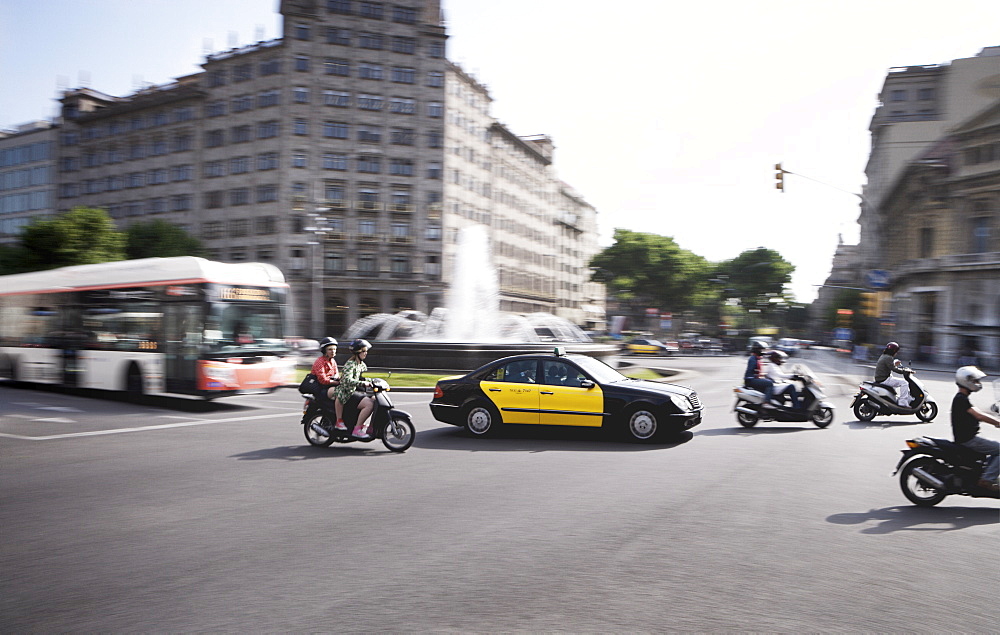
[(902, 390), (987, 446)]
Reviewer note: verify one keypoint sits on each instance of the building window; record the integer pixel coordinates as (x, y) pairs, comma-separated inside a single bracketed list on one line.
[(300, 94), (368, 195), (370, 134), (366, 227), (433, 266), (435, 139), (241, 134), (926, 242), (404, 15), (402, 136), (270, 67), (242, 73), (239, 196), (336, 98), (265, 225), (404, 45), (182, 143), (435, 79), (402, 75), (333, 262), (433, 232), (267, 129), (366, 264), (434, 170), (334, 161), (435, 109), (242, 103), (369, 164), (300, 127), (402, 105), (924, 94), (435, 49), (401, 167), (299, 160), (369, 102), (334, 192), (267, 193), (898, 95), (342, 7), (338, 36), (369, 71), (181, 173), (370, 41), (211, 230), (373, 10), (267, 161), (302, 32), (400, 264), (337, 66), (335, 130), (213, 200), (981, 234), (269, 98), (181, 202), (302, 63)]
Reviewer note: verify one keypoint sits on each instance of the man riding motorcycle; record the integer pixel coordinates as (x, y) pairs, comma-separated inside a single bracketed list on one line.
[(965, 420), (885, 366)]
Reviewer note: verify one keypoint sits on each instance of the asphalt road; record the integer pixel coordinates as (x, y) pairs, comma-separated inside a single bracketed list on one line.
[(181, 516)]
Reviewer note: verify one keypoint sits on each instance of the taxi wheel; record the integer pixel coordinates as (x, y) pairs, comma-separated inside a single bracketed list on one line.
[(481, 419), (642, 423)]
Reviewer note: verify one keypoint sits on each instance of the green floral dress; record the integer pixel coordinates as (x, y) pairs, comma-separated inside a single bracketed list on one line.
[(350, 377)]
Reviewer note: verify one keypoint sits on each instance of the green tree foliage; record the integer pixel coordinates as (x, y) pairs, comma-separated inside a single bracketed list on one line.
[(652, 268), (756, 276), (81, 236), (159, 238)]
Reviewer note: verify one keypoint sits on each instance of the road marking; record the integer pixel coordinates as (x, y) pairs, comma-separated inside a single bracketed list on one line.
[(165, 426)]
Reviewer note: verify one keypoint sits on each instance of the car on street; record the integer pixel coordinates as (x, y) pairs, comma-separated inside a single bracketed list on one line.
[(641, 346), (564, 390)]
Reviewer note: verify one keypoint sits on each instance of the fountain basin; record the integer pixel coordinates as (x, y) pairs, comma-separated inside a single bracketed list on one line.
[(461, 357)]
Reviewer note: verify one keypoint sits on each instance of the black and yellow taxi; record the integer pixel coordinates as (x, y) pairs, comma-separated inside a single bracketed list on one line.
[(563, 390), (640, 346)]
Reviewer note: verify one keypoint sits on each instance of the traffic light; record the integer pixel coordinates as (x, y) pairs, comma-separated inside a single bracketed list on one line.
[(844, 317), (779, 177), (869, 304)]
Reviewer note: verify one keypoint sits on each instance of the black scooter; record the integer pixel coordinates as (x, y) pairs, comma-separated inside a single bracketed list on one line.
[(932, 469), (393, 426)]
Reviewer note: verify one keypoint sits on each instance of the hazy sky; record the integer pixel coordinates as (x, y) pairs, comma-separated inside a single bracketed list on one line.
[(667, 116)]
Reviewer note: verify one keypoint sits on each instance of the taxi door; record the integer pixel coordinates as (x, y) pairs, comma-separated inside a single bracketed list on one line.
[(562, 401), (513, 390)]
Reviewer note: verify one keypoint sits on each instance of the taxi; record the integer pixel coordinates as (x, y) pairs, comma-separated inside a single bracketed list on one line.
[(563, 390), (649, 347)]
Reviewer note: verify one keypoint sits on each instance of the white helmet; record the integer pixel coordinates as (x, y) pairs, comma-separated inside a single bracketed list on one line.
[(968, 377)]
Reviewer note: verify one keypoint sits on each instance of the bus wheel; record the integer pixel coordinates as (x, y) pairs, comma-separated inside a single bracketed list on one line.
[(133, 382)]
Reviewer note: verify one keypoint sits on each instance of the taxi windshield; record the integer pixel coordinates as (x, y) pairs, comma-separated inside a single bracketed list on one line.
[(598, 370)]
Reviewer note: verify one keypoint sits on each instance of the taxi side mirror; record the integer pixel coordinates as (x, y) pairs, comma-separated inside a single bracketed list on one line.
[(586, 383)]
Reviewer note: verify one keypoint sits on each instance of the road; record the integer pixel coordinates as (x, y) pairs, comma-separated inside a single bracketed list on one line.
[(184, 516)]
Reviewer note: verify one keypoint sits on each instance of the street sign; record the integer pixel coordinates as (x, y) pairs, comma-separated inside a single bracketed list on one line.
[(878, 279), (842, 334)]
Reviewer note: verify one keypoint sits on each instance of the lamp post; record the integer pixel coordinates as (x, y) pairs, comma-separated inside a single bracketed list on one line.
[(318, 228)]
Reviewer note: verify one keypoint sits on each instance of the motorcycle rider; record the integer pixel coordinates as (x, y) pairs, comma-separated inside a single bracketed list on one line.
[(781, 379), (325, 370), (350, 379), (753, 376), (888, 364), (965, 420)]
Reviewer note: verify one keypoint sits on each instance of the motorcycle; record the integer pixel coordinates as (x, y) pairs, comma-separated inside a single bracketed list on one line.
[(874, 399), (750, 407), (931, 469), (393, 426)]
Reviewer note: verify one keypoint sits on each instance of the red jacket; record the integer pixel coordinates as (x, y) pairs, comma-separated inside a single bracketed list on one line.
[(325, 369)]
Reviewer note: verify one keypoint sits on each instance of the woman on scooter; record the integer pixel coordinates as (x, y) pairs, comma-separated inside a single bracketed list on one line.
[(350, 379), (325, 371)]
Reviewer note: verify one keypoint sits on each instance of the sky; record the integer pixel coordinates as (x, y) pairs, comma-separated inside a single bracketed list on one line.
[(667, 116)]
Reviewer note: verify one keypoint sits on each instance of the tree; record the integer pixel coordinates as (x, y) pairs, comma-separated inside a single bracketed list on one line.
[(82, 236), (651, 268), (756, 276), (159, 238)]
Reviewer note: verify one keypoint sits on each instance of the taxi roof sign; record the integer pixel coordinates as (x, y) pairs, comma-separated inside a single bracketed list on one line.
[(559, 351)]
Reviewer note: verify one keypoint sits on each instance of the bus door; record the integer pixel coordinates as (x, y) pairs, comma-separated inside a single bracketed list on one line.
[(183, 324)]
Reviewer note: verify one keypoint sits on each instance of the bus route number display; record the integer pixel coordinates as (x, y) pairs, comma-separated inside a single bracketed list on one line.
[(245, 294)]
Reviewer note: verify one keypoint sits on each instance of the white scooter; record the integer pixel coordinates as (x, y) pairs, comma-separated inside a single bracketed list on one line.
[(750, 407), (874, 399)]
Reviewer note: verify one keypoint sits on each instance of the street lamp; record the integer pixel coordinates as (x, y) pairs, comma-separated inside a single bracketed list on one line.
[(318, 228)]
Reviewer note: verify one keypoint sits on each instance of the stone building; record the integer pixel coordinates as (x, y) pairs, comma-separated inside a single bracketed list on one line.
[(349, 152), (27, 176)]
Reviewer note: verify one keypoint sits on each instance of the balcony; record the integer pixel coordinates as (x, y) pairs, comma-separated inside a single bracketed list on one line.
[(401, 207), (368, 205), (986, 261), (402, 240)]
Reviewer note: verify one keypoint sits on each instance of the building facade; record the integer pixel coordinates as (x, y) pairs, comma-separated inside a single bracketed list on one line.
[(27, 177), (349, 152)]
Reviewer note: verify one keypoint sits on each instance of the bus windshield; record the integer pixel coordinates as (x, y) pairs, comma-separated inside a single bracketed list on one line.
[(247, 328)]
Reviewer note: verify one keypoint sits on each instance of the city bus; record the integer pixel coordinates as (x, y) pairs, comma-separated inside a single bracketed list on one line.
[(181, 325)]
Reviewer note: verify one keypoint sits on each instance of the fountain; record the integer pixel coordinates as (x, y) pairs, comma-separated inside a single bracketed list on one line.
[(471, 330)]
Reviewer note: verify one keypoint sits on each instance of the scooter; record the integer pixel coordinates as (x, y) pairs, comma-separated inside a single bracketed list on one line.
[(393, 426), (750, 407), (874, 399), (932, 469)]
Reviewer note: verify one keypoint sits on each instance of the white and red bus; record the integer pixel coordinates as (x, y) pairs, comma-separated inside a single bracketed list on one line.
[(181, 325)]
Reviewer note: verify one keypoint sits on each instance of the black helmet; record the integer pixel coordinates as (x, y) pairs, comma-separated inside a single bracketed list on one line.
[(360, 345), (327, 341), (892, 348)]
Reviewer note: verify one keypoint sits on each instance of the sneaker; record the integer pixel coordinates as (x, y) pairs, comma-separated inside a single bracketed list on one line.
[(340, 425), (359, 433), (988, 485)]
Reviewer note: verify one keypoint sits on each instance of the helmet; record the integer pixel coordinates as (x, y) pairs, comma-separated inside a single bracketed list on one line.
[(360, 345), (327, 341), (756, 346), (778, 357), (968, 377), (892, 348)]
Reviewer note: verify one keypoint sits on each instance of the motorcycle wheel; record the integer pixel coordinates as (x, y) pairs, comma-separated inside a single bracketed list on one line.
[(864, 410), (313, 437), (399, 434), (822, 417), (747, 420), (927, 411), (918, 492)]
